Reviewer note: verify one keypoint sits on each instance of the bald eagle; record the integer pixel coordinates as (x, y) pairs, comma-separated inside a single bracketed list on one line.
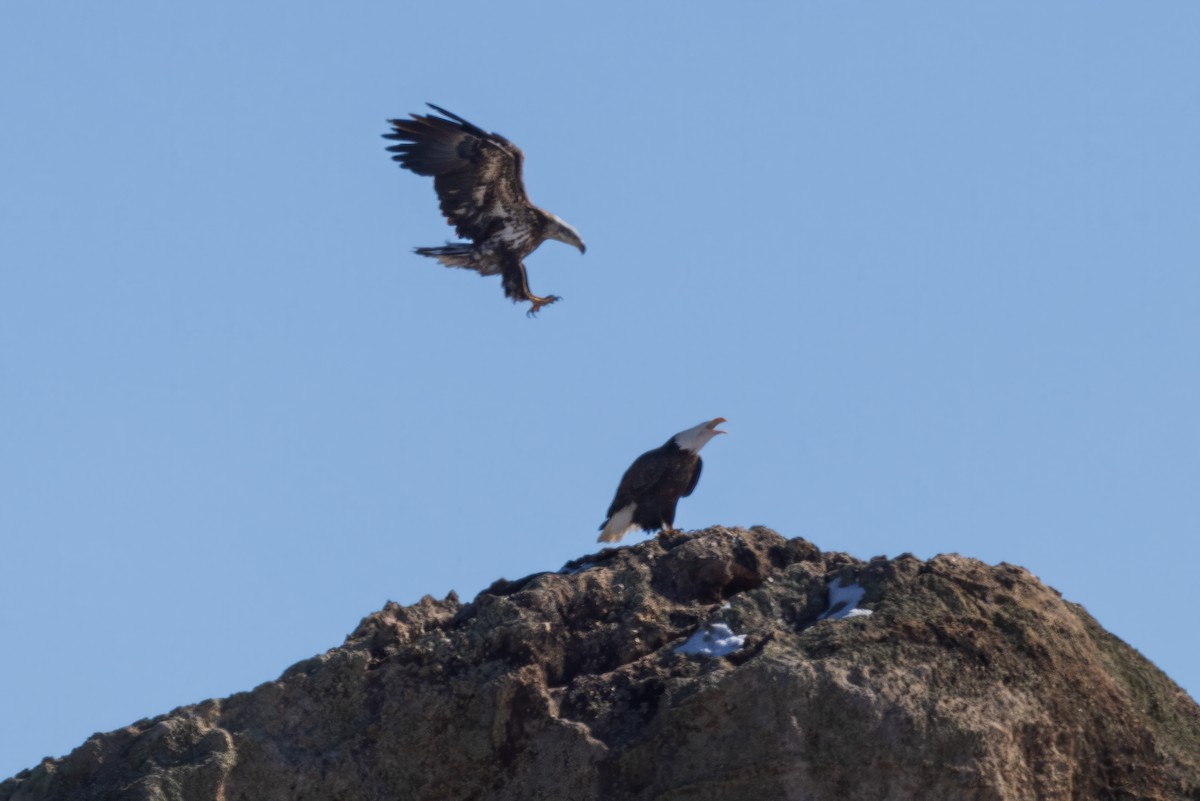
[(477, 176), (655, 482)]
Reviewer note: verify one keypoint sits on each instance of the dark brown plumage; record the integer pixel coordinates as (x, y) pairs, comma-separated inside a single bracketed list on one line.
[(477, 176), (652, 486)]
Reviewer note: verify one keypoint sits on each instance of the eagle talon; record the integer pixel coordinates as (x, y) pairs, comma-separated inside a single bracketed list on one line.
[(538, 303)]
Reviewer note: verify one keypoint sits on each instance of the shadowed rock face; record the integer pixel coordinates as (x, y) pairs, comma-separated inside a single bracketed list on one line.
[(966, 682)]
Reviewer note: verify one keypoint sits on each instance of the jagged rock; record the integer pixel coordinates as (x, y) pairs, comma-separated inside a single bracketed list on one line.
[(965, 682)]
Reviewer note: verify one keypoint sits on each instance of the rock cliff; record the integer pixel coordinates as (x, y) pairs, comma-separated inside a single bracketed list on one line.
[(722, 664)]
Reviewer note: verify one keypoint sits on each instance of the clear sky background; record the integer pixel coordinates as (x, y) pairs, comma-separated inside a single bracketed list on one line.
[(936, 262)]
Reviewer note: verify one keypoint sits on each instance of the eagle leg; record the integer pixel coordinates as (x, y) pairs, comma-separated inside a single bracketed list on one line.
[(538, 303), (516, 284), (667, 533)]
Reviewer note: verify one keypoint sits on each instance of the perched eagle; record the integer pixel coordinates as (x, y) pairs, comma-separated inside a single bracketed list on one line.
[(477, 176), (656, 481)]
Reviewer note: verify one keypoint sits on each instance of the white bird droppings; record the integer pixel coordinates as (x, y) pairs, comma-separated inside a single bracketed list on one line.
[(712, 640), (843, 601)]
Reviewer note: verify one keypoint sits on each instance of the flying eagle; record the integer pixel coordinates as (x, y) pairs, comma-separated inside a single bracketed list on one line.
[(655, 482), (477, 176)]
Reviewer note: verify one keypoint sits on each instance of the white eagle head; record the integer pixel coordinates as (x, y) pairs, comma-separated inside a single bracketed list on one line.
[(558, 229), (697, 437)]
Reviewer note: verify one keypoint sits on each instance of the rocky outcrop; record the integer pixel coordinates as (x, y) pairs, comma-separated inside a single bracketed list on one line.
[(806, 675)]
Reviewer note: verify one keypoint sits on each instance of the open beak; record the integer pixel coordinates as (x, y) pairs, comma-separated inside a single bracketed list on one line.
[(712, 426)]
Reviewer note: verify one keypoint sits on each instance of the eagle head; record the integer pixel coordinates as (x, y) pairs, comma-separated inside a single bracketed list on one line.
[(697, 437), (557, 229)]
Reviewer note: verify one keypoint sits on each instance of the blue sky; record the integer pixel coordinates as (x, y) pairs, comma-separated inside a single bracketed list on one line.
[(936, 263)]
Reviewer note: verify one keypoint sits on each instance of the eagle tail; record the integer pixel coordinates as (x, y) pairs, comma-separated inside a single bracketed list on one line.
[(618, 525), (451, 254)]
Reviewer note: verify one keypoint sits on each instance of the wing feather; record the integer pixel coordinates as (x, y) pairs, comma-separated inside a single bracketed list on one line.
[(695, 479), (477, 175), (644, 473)]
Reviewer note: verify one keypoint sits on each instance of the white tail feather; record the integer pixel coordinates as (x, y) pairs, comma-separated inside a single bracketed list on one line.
[(618, 525)]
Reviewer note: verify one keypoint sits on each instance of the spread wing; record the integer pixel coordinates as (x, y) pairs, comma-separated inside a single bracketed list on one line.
[(477, 174)]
